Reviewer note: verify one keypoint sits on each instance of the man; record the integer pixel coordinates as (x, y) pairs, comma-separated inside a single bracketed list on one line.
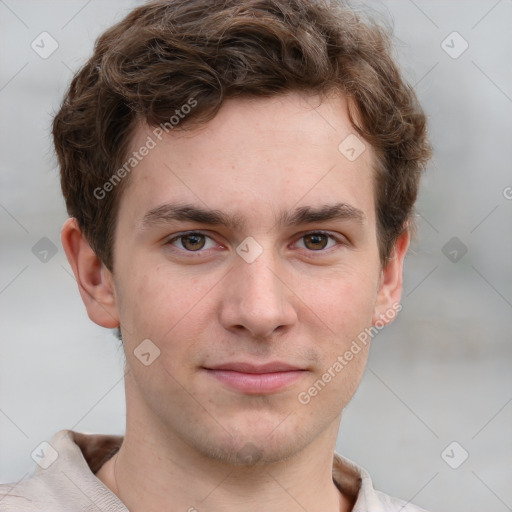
[(240, 178)]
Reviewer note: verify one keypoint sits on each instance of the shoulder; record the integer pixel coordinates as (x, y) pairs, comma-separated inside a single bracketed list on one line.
[(30, 494), (63, 479), (15, 497), (357, 483), (390, 504)]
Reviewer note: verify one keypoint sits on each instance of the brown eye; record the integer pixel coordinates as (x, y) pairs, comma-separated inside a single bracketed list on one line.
[(316, 241), (193, 242)]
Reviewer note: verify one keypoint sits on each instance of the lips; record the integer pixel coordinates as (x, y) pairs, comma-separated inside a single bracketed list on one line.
[(255, 379), (252, 368)]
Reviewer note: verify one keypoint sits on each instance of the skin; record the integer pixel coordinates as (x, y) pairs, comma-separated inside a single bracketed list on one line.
[(191, 440)]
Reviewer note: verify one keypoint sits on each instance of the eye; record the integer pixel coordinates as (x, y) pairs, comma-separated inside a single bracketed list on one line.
[(318, 241), (192, 241)]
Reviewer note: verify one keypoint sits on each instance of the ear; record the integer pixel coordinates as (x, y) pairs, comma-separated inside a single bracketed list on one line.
[(95, 281), (391, 282)]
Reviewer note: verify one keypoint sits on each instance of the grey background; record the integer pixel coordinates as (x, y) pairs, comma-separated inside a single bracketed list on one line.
[(440, 373)]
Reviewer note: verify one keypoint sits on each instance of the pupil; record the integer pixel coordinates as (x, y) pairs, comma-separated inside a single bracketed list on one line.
[(193, 242), (318, 240)]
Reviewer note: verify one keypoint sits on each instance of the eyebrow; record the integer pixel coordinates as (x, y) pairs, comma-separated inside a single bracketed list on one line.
[(168, 212)]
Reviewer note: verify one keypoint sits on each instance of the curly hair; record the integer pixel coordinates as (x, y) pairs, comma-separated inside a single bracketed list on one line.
[(165, 53)]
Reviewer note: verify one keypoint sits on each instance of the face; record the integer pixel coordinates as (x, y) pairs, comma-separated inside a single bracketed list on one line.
[(246, 252)]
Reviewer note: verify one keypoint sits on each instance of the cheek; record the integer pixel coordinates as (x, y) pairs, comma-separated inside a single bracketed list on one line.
[(343, 317), (343, 302), (164, 307)]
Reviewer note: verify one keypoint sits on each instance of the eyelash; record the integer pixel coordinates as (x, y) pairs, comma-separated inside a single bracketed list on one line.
[(338, 239)]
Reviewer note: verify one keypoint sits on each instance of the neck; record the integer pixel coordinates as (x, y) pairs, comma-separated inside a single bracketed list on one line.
[(154, 470)]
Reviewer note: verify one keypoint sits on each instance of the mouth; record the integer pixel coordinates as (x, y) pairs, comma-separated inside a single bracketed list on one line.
[(256, 379)]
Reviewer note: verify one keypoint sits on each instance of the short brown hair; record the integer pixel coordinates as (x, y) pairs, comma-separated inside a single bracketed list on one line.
[(166, 52)]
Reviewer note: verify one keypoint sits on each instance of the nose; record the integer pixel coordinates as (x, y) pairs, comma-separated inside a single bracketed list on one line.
[(257, 299)]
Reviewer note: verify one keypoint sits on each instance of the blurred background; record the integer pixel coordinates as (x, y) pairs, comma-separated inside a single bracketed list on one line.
[(432, 420)]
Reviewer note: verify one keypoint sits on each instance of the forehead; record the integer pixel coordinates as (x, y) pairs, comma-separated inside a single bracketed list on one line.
[(257, 156)]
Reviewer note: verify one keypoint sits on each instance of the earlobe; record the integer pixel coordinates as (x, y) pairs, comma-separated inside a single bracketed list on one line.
[(391, 282), (94, 279)]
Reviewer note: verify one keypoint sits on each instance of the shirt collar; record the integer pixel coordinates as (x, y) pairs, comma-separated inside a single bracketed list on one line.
[(91, 451)]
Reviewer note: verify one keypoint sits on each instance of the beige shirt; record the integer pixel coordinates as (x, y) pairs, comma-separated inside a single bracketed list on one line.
[(65, 481)]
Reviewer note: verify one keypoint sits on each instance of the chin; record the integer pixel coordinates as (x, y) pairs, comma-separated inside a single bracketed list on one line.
[(251, 453), (252, 447)]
